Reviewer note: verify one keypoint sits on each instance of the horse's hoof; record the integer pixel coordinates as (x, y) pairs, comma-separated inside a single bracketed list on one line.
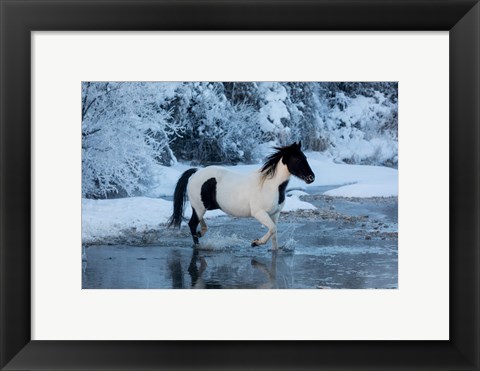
[(254, 244)]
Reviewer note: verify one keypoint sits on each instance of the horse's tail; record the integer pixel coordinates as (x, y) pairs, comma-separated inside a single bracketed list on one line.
[(179, 198)]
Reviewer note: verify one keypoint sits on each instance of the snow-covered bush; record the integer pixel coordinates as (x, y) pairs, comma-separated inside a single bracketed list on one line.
[(214, 129), (361, 129), (124, 132), (273, 114)]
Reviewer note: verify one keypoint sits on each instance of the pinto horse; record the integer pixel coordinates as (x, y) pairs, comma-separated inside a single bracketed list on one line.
[(260, 194)]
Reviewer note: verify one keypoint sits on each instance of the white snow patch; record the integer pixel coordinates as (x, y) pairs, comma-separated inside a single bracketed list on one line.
[(353, 180), (365, 190), (293, 203), (104, 218), (163, 181)]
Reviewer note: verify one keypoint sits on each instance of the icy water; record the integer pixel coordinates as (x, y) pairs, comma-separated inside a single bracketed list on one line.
[(344, 244)]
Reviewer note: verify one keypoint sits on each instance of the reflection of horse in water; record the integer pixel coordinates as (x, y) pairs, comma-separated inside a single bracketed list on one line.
[(260, 194), (270, 273), (198, 266), (196, 273)]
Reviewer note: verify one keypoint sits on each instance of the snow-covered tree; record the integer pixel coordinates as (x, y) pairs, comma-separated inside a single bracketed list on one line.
[(359, 128), (124, 132), (214, 130), (274, 114)]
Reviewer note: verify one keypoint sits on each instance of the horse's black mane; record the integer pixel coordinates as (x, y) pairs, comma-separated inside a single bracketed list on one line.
[(270, 166)]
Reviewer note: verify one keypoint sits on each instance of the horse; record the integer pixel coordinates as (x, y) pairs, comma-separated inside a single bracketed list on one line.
[(260, 194)]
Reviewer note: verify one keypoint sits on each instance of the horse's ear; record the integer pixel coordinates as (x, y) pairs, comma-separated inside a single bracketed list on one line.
[(299, 144)]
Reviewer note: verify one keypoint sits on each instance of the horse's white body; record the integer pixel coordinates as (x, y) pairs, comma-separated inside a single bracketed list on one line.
[(242, 196), (260, 194)]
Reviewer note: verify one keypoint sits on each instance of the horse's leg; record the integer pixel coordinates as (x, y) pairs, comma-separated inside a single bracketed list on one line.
[(264, 218), (200, 210), (193, 224)]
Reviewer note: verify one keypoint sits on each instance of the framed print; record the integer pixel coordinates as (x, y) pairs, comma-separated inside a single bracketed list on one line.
[(345, 265), (191, 77)]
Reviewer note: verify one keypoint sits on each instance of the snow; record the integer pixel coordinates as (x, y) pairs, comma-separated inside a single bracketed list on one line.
[(293, 203), (368, 189), (355, 128), (103, 218), (164, 180), (274, 109), (352, 180)]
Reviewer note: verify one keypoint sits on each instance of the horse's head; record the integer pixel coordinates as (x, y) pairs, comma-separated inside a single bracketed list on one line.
[(293, 158), (296, 162)]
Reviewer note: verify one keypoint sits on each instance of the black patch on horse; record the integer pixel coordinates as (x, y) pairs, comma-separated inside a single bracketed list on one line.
[(209, 194), (281, 191)]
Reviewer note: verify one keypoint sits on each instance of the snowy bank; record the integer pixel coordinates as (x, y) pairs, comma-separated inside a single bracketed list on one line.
[(352, 180), (293, 203), (105, 218)]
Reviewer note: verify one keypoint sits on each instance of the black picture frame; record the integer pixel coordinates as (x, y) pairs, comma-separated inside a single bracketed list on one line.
[(19, 17)]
